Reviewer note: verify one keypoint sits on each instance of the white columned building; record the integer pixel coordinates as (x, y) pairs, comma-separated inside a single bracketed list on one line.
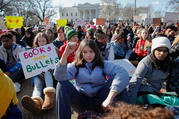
[(84, 11)]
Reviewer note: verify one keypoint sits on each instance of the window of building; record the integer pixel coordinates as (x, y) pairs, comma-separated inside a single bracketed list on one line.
[(62, 14), (71, 14), (66, 14), (76, 14)]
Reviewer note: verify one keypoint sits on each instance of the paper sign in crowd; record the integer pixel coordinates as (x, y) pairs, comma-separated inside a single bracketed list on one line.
[(37, 60), (14, 21)]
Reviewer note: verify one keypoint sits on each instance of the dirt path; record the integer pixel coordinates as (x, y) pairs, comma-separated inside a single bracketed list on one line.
[(26, 89)]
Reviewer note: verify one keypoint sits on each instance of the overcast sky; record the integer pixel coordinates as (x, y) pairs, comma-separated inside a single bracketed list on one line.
[(157, 4)]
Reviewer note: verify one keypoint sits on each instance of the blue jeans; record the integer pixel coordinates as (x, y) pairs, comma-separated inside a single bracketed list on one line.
[(67, 95), (39, 84), (17, 76)]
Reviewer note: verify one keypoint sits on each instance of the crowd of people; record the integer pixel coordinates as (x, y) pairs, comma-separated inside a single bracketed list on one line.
[(84, 79)]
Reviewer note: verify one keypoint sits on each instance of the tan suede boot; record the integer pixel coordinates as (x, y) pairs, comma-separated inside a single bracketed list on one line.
[(32, 104), (49, 98)]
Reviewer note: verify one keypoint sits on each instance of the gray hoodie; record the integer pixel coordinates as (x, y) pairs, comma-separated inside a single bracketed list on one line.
[(145, 79)]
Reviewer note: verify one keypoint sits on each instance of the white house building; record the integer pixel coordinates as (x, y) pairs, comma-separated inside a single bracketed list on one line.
[(84, 11)]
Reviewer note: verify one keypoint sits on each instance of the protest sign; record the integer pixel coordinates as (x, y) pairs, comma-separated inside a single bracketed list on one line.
[(46, 21), (126, 64), (61, 22), (171, 17), (156, 21), (14, 21), (37, 60), (137, 19), (100, 21), (79, 22), (148, 21)]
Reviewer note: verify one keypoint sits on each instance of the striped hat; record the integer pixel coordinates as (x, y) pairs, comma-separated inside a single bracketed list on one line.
[(70, 34)]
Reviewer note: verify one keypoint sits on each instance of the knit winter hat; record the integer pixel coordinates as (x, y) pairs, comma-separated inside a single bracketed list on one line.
[(91, 30), (70, 34), (160, 42)]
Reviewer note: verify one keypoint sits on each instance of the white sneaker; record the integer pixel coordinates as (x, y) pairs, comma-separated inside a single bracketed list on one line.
[(17, 88)]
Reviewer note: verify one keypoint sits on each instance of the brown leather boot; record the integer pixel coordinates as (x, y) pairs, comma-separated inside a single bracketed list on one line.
[(32, 104), (49, 98)]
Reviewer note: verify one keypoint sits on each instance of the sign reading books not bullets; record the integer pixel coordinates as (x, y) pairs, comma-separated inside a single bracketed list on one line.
[(38, 60)]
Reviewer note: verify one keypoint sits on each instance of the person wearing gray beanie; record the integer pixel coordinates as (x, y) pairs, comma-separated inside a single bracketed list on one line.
[(151, 71), (161, 46)]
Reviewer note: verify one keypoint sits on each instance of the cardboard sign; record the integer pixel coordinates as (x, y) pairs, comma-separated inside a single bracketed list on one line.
[(156, 21), (126, 64), (61, 22), (14, 21), (37, 60), (100, 21)]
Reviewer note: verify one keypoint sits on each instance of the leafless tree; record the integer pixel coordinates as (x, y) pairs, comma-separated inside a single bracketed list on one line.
[(127, 12), (174, 5), (32, 11), (5, 7), (4, 4), (109, 10), (158, 14), (42, 9)]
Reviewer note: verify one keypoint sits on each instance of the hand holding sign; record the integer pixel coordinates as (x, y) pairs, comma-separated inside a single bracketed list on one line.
[(37, 60)]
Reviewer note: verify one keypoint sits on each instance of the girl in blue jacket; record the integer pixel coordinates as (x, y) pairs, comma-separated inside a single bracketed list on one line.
[(91, 90)]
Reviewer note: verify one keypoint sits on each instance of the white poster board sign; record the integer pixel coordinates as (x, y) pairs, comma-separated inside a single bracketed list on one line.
[(143, 16), (37, 60), (171, 17), (126, 64), (79, 22), (148, 21)]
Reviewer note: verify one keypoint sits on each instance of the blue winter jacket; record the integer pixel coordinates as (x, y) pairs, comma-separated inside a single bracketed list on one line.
[(90, 81), (16, 49)]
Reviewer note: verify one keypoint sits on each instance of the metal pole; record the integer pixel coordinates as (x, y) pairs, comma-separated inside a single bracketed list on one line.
[(135, 9)]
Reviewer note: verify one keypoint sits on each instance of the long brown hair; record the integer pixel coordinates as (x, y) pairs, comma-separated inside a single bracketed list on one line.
[(98, 60), (176, 40), (148, 37), (126, 111), (40, 34)]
